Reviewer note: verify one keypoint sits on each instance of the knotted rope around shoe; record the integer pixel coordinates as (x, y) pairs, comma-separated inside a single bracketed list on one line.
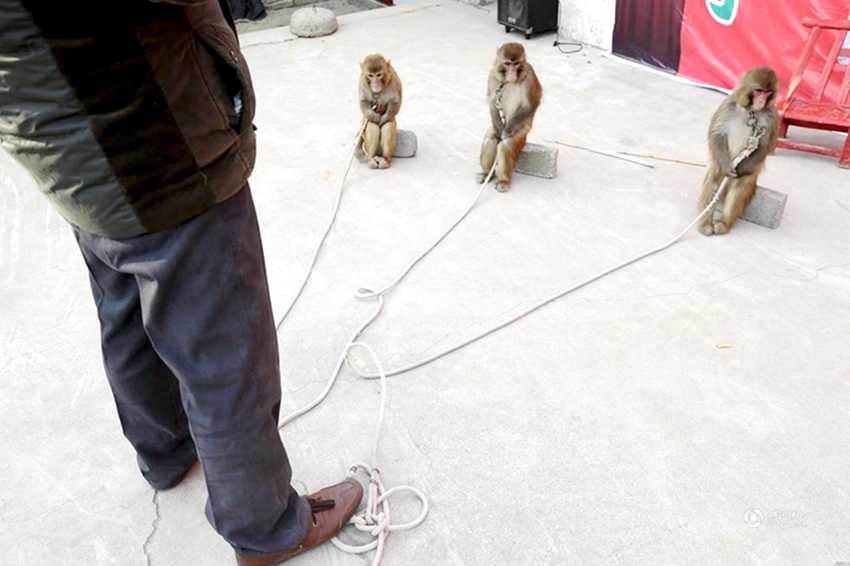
[(375, 518), (377, 521)]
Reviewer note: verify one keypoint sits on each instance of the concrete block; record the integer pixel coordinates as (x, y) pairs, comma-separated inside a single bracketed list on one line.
[(766, 207), (312, 22), (406, 144), (537, 160)]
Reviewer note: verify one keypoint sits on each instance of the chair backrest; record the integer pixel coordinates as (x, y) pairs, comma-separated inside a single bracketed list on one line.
[(837, 61)]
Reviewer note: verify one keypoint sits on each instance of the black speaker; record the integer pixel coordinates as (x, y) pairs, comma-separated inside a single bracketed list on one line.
[(528, 16)]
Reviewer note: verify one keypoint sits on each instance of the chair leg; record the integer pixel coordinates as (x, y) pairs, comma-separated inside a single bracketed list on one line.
[(783, 128), (844, 160)]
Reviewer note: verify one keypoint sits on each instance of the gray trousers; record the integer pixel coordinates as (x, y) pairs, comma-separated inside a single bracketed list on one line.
[(190, 351)]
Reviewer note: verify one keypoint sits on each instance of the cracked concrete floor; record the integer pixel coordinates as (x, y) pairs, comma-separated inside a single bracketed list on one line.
[(605, 428)]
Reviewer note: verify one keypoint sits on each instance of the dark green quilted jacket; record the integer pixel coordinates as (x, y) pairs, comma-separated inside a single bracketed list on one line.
[(131, 115)]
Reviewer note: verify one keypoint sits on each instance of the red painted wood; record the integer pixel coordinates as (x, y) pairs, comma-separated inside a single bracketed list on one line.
[(827, 24), (817, 113)]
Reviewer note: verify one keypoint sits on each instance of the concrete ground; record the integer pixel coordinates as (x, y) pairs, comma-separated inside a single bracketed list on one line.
[(689, 409), (280, 16)]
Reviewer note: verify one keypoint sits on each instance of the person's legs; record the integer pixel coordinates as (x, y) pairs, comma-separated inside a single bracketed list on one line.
[(146, 393), (205, 307)]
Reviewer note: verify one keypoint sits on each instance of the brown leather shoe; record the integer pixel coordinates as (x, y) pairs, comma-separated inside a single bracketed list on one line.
[(331, 507)]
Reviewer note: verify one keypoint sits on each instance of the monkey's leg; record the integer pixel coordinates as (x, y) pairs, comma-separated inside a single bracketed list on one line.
[(389, 131), (372, 143), (488, 154), (738, 195), (506, 155), (710, 185)]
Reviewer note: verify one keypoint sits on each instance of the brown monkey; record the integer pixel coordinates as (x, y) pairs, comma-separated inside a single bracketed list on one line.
[(380, 101), (750, 111), (514, 93)]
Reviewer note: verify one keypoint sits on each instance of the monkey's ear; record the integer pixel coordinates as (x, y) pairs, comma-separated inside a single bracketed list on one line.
[(742, 97)]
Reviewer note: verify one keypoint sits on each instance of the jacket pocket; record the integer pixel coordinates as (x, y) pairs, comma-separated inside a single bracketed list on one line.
[(226, 73)]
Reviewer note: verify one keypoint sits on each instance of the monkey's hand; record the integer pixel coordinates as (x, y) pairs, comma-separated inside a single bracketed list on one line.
[(373, 116), (496, 120), (725, 164)]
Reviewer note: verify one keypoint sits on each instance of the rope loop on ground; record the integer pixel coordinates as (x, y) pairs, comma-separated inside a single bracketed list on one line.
[(375, 518)]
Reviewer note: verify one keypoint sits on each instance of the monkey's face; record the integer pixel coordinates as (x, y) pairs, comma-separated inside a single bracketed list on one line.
[(376, 81), (760, 98), (512, 70)]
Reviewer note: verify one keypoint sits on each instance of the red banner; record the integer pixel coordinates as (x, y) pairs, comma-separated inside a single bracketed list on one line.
[(721, 39)]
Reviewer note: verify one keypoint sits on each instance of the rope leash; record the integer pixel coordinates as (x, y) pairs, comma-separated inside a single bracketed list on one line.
[(377, 521), (752, 145), (373, 520), (365, 293), (338, 199)]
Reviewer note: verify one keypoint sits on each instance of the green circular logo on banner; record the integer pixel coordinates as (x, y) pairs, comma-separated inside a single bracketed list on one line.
[(723, 11)]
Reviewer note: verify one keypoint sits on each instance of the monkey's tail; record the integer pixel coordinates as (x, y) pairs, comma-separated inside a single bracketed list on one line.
[(359, 153)]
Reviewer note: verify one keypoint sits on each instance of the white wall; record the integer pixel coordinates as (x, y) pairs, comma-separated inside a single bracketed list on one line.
[(588, 21)]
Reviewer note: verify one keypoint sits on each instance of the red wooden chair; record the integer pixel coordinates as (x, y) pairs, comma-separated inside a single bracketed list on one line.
[(816, 112)]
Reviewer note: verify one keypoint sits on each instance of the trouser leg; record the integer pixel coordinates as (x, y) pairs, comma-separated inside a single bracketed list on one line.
[(205, 307), (146, 393)]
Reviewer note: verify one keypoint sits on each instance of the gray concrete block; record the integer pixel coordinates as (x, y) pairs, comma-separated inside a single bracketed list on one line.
[(406, 144), (766, 207), (537, 160), (312, 22)]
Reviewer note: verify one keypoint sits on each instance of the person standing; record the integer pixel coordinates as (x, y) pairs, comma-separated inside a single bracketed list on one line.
[(139, 131)]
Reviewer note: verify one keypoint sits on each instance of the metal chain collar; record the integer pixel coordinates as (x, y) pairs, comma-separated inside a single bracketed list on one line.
[(753, 123), (497, 101)]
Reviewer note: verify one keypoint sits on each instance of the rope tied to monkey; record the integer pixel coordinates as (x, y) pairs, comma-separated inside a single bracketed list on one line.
[(372, 519), (364, 293), (753, 142), (375, 519)]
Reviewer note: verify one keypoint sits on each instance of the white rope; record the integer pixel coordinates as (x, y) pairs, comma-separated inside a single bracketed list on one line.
[(371, 519), (752, 145), (377, 521), (364, 293), (309, 269)]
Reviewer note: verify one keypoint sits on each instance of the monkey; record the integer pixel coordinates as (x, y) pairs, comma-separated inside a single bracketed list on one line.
[(513, 94), (380, 100), (750, 110)]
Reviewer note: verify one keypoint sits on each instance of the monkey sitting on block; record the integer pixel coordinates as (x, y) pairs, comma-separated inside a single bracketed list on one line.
[(750, 111), (513, 93), (380, 101)]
